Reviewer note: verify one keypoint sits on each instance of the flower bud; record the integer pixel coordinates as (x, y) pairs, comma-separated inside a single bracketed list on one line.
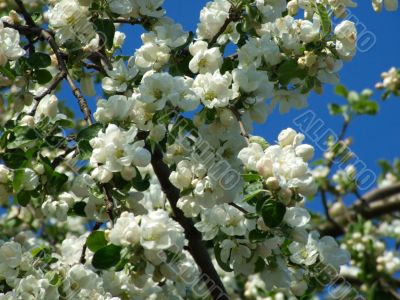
[(28, 99), (27, 121), (128, 173), (286, 137), (337, 209), (157, 133), (272, 183), (391, 5), (292, 7), (4, 172), (39, 168), (227, 117), (119, 39)]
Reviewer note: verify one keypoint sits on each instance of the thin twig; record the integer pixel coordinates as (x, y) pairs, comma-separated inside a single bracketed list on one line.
[(95, 67), (241, 125), (131, 21), (82, 259), (109, 202), (238, 207), (326, 209), (56, 80), (233, 16)]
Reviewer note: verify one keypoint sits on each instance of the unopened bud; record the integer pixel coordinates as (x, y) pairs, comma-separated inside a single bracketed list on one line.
[(272, 183)]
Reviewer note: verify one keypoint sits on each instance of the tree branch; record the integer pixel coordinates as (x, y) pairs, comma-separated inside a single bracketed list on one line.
[(197, 247), (56, 80), (381, 202)]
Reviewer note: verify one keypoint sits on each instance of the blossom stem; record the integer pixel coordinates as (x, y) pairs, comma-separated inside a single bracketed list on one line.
[(82, 259), (238, 207)]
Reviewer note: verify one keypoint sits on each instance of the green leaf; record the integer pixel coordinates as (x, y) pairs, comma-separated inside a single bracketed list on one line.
[(42, 76), (85, 150), (15, 159), (39, 60), (18, 179), (65, 123), (325, 19), (96, 240), (251, 177), (107, 29), (336, 109), (289, 70), (55, 182), (341, 91), (39, 251), (256, 236), (259, 204), (224, 266), (365, 107), (23, 198), (79, 209), (106, 257), (139, 183), (272, 213), (89, 132), (250, 197), (7, 71)]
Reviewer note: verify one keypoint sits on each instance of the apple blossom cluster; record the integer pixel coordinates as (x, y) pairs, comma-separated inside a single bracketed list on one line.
[(248, 242), (70, 20), (390, 83), (115, 150), (31, 272), (284, 166), (88, 215), (366, 240), (390, 5)]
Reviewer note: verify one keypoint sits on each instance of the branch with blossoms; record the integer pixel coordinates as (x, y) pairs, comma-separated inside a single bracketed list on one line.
[(164, 191)]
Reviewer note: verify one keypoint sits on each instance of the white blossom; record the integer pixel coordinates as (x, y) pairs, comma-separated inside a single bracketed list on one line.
[(160, 232), (126, 231), (204, 60), (214, 89), (9, 47), (119, 76)]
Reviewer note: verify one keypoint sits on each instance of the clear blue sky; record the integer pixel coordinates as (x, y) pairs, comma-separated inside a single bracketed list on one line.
[(374, 137)]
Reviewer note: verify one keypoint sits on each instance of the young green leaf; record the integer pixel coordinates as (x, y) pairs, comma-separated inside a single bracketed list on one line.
[(272, 213), (106, 257), (96, 240), (39, 60)]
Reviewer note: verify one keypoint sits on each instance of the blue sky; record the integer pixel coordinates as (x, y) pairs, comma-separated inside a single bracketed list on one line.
[(374, 137)]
